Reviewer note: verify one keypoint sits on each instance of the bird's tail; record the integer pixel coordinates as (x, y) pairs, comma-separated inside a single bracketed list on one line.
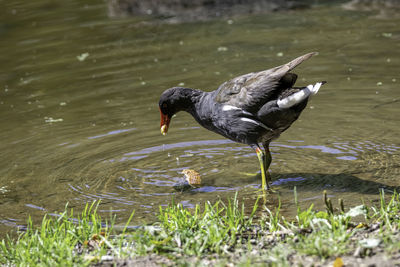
[(280, 71), (297, 61), (299, 96)]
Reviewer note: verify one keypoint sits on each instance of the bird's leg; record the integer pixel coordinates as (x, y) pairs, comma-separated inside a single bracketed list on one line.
[(261, 159), (267, 163)]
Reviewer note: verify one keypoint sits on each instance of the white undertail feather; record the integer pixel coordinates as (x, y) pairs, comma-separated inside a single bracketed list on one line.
[(299, 96), (314, 89)]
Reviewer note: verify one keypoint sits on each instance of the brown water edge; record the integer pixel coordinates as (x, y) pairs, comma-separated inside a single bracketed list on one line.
[(78, 129)]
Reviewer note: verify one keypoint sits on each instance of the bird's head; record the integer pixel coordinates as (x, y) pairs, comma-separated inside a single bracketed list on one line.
[(172, 101)]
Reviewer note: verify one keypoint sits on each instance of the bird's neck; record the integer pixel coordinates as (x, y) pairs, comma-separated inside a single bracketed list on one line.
[(190, 99), (202, 108)]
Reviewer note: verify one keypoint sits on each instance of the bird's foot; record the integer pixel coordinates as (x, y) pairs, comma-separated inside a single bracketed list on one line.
[(271, 190), (267, 189)]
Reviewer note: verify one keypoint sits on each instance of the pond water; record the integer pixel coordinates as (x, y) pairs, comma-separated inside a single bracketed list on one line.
[(80, 122)]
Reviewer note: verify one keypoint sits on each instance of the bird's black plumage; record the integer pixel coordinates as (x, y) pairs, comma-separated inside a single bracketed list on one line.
[(253, 109)]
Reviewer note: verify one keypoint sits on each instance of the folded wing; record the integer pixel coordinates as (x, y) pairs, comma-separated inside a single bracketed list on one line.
[(250, 91)]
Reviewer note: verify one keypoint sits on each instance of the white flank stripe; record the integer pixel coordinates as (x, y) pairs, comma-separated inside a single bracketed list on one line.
[(256, 122), (229, 108)]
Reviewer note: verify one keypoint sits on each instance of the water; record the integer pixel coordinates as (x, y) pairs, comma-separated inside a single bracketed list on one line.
[(77, 130)]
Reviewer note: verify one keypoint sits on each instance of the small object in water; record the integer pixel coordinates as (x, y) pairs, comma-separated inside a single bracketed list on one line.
[(192, 177), (51, 120), (82, 56), (192, 180)]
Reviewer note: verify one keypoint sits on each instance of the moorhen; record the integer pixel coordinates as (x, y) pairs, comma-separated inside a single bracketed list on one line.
[(253, 109)]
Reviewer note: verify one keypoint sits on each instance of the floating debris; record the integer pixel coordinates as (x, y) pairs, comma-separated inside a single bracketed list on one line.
[(82, 56), (4, 189), (51, 120), (222, 49), (279, 54)]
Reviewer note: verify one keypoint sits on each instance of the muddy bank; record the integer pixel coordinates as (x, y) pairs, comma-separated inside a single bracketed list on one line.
[(175, 11), (184, 10), (365, 249), (373, 4), (385, 8)]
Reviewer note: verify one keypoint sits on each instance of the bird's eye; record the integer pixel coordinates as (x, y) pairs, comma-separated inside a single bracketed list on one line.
[(164, 108)]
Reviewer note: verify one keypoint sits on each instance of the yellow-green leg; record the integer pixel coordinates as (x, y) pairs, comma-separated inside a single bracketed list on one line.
[(262, 160)]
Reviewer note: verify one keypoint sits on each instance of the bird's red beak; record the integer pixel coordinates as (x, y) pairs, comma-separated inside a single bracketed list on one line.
[(165, 120)]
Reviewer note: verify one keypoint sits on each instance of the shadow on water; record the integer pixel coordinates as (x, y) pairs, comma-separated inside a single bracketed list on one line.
[(318, 182)]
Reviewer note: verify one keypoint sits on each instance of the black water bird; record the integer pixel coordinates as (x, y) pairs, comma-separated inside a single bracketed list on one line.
[(253, 109)]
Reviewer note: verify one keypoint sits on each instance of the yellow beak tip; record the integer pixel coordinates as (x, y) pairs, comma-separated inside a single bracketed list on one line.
[(164, 130)]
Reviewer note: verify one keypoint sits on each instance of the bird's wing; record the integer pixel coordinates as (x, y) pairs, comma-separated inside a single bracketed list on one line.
[(251, 90)]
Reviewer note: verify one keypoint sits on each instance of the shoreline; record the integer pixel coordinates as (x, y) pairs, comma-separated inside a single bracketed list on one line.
[(221, 234)]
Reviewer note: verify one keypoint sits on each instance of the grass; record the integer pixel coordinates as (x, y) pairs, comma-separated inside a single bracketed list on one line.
[(218, 233), (55, 241), (193, 233)]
